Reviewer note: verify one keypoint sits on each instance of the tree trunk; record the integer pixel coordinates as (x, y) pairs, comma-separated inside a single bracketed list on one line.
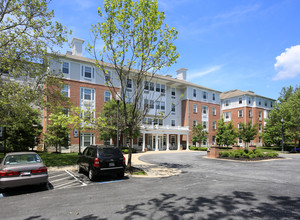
[(295, 145), (129, 154)]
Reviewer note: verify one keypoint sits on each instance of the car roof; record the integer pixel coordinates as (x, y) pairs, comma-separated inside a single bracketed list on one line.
[(19, 153)]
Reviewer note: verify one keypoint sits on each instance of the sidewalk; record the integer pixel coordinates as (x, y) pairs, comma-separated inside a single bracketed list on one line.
[(154, 170)]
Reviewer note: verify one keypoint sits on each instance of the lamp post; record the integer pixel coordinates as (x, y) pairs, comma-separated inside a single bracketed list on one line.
[(118, 101), (282, 134)]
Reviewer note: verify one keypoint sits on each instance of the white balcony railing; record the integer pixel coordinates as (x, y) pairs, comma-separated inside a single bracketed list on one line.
[(166, 127)]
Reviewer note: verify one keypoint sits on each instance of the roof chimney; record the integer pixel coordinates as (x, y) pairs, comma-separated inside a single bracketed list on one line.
[(181, 73), (77, 46)]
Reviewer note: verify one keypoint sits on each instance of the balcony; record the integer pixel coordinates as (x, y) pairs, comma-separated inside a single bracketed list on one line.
[(163, 127)]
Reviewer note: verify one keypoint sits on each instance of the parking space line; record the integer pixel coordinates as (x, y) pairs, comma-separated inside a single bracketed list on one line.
[(84, 184), (56, 175), (52, 181), (65, 184), (114, 181)]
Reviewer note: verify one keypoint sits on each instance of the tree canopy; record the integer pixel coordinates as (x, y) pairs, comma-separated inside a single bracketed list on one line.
[(137, 44), (247, 132), (199, 134)]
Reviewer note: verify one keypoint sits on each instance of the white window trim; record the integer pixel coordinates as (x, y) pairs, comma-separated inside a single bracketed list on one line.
[(106, 91), (68, 90), (61, 68), (240, 116), (82, 74), (195, 108)]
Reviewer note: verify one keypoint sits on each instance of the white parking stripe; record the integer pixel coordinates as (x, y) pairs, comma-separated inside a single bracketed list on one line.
[(65, 184), (57, 175), (84, 184), (52, 181)]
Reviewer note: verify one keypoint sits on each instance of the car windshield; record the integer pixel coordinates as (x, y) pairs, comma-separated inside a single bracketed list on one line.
[(22, 159), (114, 151)]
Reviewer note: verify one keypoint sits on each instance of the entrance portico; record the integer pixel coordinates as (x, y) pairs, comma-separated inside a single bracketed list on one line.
[(158, 138)]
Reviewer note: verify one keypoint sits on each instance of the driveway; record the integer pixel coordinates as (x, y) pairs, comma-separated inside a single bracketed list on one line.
[(205, 189)]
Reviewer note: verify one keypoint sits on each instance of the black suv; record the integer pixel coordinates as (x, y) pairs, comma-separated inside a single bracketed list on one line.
[(97, 160)]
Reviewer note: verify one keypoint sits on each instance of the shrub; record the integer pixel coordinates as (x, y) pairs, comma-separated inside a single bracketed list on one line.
[(271, 154), (225, 153), (202, 148), (125, 150), (192, 148)]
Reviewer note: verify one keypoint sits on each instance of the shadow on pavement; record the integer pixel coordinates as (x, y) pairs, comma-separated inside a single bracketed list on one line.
[(24, 190), (174, 165), (238, 205)]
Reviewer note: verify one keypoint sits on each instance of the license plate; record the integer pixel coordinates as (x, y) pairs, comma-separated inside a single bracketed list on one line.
[(111, 164), (25, 173)]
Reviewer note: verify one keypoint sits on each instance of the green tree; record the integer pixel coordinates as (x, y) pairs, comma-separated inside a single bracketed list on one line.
[(57, 131), (247, 132), (199, 134), (108, 123), (28, 33), (137, 44), (230, 134), (24, 127), (221, 129)]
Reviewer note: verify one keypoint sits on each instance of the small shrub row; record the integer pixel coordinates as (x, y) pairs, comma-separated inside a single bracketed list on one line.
[(125, 150), (198, 148), (247, 154)]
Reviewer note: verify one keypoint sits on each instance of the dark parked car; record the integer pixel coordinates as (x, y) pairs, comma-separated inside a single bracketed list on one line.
[(297, 150), (22, 168), (97, 160)]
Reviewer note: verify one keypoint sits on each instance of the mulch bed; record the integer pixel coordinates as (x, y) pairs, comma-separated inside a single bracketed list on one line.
[(133, 170), (253, 159)]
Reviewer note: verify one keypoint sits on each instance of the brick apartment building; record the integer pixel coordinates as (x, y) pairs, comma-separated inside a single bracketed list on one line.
[(242, 107), (187, 103)]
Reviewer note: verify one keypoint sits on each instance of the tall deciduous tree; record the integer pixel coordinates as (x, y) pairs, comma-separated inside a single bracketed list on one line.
[(109, 122), (221, 128), (27, 35), (137, 44), (199, 134), (247, 132), (230, 134)]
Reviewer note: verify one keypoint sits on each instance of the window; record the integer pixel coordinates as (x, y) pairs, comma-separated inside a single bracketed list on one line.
[(240, 113), (227, 116), (259, 128), (157, 87), (107, 96), (214, 97), (146, 103), (173, 107), (151, 104), (195, 108), (155, 121), (204, 110), (239, 127), (204, 124), (240, 100), (249, 101), (107, 76), (146, 85), (129, 83), (149, 121), (250, 114), (271, 104), (161, 122), (194, 93), (87, 94), (240, 141), (157, 105), (173, 140), (65, 90), (87, 72), (213, 140), (259, 115), (172, 122), (162, 106), (173, 92), (151, 86), (87, 139), (214, 111), (194, 123), (259, 102), (227, 103), (204, 95), (65, 111), (163, 88), (266, 103), (66, 68), (214, 125)]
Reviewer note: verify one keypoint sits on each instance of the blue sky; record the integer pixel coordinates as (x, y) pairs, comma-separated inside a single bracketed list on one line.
[(233, 44)]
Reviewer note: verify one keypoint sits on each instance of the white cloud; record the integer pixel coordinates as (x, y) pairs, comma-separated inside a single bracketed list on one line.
[(288, 63), (196, 74)]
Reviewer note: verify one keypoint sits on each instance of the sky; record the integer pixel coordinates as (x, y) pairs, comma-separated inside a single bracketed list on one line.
[(225, 45)]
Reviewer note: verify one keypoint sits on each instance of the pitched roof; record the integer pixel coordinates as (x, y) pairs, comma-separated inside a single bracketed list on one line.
[(236, 93), (161, 77)]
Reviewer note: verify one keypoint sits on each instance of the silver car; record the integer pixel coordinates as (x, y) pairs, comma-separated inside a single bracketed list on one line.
[(22, 168)]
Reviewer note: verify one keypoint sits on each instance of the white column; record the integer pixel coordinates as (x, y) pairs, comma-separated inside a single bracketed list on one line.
[(187, 142), (156, 142), (178, 141), (168, 142), (144, 142)]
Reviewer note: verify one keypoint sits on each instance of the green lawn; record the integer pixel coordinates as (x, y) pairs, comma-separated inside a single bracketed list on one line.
[(270, 149)]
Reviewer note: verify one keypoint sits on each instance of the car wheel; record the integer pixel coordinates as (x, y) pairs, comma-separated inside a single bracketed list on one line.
[(120, 175), (79, 169), (91, 174)]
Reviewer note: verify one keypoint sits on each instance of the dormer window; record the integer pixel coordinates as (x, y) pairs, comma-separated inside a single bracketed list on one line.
[(194, 93), (214, 97), (66, 68), (204, 95), (107, 76), (87, 73), (240, 100)]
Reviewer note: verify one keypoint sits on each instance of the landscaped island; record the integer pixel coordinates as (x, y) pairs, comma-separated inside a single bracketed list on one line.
[(247, 155)]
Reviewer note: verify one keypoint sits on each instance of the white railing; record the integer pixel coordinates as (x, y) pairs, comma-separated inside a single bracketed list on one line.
[(166, 127)]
